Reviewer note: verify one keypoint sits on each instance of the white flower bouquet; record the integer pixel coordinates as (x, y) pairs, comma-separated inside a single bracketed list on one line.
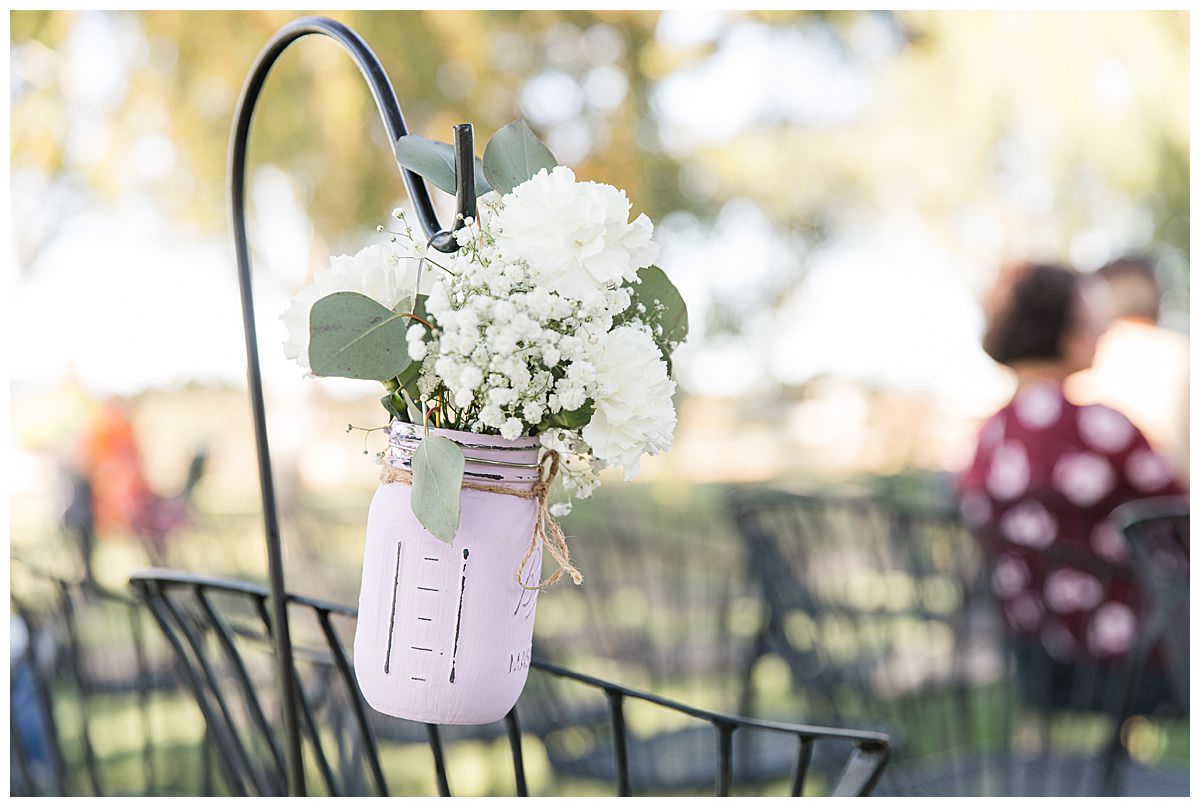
[(549, 321), (539, 350)]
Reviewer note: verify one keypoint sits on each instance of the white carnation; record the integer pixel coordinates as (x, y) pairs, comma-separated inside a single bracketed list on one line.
[(634, 412), (575, 236)]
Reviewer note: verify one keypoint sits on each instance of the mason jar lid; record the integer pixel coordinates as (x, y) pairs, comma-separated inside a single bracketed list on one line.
[(490, 458)]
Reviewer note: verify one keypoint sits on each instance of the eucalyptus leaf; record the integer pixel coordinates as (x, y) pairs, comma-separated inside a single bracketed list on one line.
[(513, 155), (665, 307), (437, 467), (434, 160), (352, 336)]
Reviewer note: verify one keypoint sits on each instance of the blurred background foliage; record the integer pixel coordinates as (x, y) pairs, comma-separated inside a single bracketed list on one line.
[(819, 119)]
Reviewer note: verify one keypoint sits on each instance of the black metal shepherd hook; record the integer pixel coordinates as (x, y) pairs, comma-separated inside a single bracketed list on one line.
[(441, 239)]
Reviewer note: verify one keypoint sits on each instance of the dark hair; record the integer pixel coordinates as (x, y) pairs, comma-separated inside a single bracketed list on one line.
[(1029, 310), (1135, 286)]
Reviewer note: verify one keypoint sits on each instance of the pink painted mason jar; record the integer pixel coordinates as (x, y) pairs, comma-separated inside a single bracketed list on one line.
[(444, 631)]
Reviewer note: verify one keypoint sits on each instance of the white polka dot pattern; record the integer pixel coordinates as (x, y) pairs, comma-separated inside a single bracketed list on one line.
[(1070, 590), (1108, 542), (1147, 471), (1029, 524), (1009, 575), (1083, 477), (1111, 629), (1103, 429), (1039, 407), (1008, 477)]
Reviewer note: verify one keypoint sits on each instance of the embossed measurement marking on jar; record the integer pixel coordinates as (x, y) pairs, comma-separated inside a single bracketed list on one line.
[(425, 626), (387, 659), (462, 589)]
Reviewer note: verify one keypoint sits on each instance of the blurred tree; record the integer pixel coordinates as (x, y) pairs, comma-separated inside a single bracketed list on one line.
[(1043, 126), (316, 118), (1041, 120)]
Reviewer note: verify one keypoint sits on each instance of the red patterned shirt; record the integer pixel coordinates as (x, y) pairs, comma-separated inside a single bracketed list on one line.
[(1045, 477)]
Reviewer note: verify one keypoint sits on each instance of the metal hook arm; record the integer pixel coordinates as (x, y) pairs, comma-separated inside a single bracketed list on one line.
[(441, 239)]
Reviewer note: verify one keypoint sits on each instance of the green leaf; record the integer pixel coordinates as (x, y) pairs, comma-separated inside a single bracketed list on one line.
[(408, 380), (513, 155), (352, 336), (434, 160), (406, 306), (394, 403), (437, 467), (575, 419), (665, 307)]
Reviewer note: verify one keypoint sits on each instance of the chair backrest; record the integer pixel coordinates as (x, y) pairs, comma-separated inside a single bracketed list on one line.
[(890, 617), (94, 649), (1088, 634), (220, 631), (868, 605), (1157, 532), (664, 584)]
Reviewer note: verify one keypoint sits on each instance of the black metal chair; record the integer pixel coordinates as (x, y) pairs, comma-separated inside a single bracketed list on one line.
[(81, 656), (886, 619), (845, 583), (667, 607), (221, 630), (1157, 533), (657, 608), (1055, 683)]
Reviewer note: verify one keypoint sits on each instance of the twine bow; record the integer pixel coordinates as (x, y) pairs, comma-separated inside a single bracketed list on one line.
[(545, 530)]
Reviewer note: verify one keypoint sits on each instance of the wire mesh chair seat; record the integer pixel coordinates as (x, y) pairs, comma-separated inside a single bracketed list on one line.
[(839, 575), (220, 630)]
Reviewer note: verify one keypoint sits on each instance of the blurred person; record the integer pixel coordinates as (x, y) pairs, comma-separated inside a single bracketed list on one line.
[(1046, 474), (27, 725), (1141, 368), (113, 470), (113, 495), (107, 488)]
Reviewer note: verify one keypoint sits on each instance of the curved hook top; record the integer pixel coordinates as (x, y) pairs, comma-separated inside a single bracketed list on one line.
[(441, 239), (381, 91)]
